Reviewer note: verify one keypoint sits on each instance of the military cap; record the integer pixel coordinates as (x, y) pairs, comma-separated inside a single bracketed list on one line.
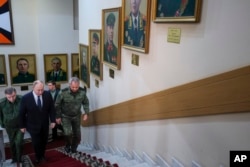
[(96, 38), (110, 19)]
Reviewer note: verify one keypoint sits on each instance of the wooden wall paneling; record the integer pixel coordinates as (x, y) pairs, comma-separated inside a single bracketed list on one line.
[(224, 93)]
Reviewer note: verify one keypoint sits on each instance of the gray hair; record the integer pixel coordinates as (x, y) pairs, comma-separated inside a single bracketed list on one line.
[(9, 91), (74, 79), (56, 58), (37, 82)]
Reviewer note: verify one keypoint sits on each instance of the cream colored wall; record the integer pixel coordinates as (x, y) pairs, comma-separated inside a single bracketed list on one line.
[(219, 43), (41, 27)]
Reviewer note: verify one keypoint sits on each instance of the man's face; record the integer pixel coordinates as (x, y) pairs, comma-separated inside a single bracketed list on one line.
[(134, 6), (74, 86), (84, 58), (51, 86), (56, 64), (94, 48), (38, 89), (22, 66), (11, 97), (110, 32)]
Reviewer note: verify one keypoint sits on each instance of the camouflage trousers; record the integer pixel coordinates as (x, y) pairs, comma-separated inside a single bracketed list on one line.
[(16, 143), (72, 131)]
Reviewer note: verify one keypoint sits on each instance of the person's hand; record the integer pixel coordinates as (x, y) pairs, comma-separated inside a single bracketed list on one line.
[(85, 117), (59, 121), (52, 125), (23, 130)]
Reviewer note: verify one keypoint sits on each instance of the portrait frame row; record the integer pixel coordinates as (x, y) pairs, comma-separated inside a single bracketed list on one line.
[(118, 31), (23, 70), (162, 11)]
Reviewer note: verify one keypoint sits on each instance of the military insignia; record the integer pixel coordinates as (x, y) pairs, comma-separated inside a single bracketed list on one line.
[(130, 23), (128, 38), (141, 42), (159, 7), (131, 42)]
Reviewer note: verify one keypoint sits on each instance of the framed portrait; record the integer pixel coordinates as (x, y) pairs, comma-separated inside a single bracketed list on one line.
[(22, 68), (3, 75), (84, 64), (95, 53), (55, 67), (176, 10), (111, 37), (6, 26), (75, 65), (136, 16)]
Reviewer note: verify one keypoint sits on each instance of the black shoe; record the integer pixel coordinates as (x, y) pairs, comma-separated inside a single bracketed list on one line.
[(42, 159), (73, 151), (13, 161), (37, 161), (67, 149)]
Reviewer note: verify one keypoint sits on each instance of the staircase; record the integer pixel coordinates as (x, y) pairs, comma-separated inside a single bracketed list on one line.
[(102, 156)]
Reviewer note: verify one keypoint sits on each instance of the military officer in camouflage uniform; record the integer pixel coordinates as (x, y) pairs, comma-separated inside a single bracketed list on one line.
[(134, 26), (68, 112), (9, 111), (110, 50)]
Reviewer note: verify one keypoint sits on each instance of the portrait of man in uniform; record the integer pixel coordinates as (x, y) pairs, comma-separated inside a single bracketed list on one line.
[(95, 53), (56, 67), (111, 29), (176, 10), (23, 68), (136, 24), (84, 64), (75, 65), (3, 79)]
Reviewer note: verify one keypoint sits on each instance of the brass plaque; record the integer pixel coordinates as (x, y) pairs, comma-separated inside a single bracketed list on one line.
[(135, 59), (174, 35)]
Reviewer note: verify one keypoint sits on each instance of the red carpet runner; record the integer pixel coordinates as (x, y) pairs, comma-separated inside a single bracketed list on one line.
[(57, 159), (28, 148)]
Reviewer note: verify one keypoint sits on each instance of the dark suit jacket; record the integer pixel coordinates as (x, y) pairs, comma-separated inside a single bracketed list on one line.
[(31, 117)]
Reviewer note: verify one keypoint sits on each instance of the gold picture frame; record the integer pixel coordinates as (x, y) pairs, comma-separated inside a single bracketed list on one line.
[(3, 74), (111, 28), (75, 65), (95, 53), (22, 68), (6, 26), (135, 30), (56, 62), (84, 64), (176, 11)]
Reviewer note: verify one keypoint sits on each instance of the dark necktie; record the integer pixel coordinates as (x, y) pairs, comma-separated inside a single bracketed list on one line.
[(136, 31), (39, 104), (135, 24), (55, 76)]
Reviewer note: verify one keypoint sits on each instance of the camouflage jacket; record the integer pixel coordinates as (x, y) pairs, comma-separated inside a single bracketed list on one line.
[(69, 103), (9, 112)]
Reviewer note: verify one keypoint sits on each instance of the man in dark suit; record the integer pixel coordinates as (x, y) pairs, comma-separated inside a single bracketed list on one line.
[(54, 92), (36, 110)]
